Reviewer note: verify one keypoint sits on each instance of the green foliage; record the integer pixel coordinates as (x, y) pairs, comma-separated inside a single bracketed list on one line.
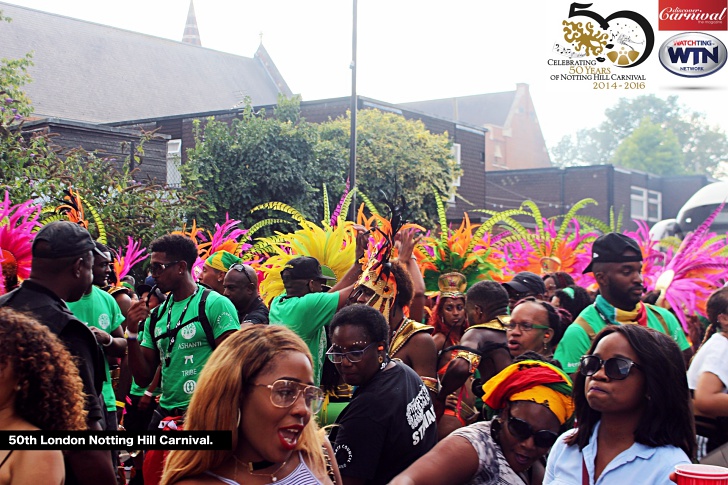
[(257, 159), (704, 148), (116, 204), (393, 150), (651, 148)]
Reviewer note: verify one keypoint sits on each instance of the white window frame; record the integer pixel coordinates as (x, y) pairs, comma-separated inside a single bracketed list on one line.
[(642, 200), (455, 150), (174, 160)]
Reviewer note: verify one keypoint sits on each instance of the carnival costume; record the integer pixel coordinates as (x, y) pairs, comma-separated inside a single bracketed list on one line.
[(18, 224)]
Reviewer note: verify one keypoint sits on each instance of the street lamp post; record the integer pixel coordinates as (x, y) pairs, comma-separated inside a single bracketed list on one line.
[(354, 106)]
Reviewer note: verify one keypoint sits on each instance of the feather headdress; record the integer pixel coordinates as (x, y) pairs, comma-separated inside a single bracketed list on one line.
[(333, 245), (74, 209), (18, 224), (127, 257), (547, 249), (692, 273)]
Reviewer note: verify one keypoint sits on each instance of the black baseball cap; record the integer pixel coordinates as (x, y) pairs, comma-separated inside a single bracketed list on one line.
[(303, 268), (62, 239), (610, 248), (527, 282)]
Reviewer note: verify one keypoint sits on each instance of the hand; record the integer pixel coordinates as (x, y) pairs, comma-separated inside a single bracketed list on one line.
[(103, 338), (137, 313), (407, 247), (451, 402), (362, 240), (144, 402)]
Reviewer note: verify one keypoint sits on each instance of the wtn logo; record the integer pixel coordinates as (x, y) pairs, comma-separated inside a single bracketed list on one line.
[(692, 54), (678, 54)]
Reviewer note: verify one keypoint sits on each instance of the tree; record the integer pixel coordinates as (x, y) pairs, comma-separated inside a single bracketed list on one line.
[(705, 148), (31, 167), (396, 152), (652, 149), (259, 159)]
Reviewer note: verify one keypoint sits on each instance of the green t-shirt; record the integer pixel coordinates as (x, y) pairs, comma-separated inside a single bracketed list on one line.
[(137, 390), (191, 349), (576, 342), (99, 309), (307, 316)]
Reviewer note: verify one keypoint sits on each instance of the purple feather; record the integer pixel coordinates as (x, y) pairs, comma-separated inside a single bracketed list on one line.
[(694, 239)]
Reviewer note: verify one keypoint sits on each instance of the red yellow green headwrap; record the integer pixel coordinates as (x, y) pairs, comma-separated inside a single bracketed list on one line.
[(222, 260), (531, 380)]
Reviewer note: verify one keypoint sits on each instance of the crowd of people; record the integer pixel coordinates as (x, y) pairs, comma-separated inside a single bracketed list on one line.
[(387, 370)]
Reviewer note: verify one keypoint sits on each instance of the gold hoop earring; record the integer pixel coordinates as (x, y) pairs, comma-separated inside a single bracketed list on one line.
[(239, 416)]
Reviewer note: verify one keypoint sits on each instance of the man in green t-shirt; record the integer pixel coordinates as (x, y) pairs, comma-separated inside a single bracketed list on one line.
[(178, 340), (617, 267), (305, 309)]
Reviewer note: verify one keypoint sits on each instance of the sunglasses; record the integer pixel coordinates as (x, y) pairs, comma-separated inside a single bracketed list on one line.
[(352, 356), (524, 326), (241, 269), (283, 393), (617, 368), (157, 268), (521, 430)]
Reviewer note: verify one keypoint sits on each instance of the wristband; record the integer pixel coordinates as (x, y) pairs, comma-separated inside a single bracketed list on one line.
[(131, 335), (147, 393), (111, 341)]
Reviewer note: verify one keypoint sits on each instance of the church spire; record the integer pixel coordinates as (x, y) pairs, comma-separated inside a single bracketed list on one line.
[(192, 33)]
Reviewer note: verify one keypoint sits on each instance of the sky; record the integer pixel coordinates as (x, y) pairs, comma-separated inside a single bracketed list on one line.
[(410, 50)]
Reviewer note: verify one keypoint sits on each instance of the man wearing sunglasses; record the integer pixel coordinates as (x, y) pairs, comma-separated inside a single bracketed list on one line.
[(176, 336), (241, 287), (617, 267)]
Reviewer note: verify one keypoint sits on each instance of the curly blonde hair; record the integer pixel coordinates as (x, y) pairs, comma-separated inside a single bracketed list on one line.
[(51, 393), (219, 395)]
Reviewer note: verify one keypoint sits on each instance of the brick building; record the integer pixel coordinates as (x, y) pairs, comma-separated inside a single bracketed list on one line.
[(514, 141), (639, 195)]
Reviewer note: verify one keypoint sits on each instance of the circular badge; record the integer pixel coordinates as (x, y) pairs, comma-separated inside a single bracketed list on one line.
[(188, 332), (189, 386), (104, 321)]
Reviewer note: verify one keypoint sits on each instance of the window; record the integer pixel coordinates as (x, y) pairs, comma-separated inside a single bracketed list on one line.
[(174, 160), (456, 182), (646, 204), (498, 157)]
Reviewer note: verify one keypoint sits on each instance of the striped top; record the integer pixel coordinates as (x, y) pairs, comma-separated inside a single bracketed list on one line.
[(302, 475)]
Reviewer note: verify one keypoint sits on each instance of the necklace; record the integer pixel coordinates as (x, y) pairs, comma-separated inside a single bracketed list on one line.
[(258, 465)]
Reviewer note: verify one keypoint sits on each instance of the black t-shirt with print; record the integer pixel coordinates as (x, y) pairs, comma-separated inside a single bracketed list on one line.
[(389, 424)]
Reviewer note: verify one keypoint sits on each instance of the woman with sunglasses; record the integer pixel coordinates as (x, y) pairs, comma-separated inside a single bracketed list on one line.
[(390, 421), (532, 402), (535, 326), (259, 383), (632, 410)]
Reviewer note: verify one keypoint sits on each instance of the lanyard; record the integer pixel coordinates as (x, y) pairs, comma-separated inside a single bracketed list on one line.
[(173, 335)]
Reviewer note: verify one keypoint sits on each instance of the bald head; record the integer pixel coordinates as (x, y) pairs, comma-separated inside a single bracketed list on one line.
[(241, 286)]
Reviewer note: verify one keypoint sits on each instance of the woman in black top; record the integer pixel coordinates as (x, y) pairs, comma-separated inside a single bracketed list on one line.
[(390, 421)]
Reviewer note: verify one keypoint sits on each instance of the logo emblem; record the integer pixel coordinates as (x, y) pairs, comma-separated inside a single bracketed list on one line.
[(625, 38), (189, 386), (104, 321), (692, 54), (188, 332)]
